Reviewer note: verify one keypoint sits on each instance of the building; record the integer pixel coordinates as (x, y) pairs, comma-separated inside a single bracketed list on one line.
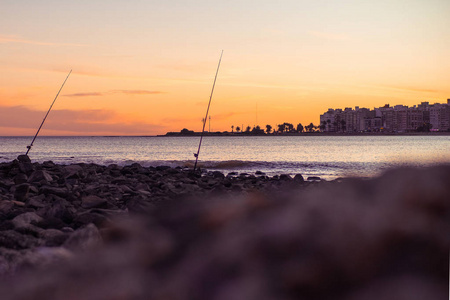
[(399, 118)]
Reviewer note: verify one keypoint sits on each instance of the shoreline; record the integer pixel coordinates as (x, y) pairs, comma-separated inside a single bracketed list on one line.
[(229, 134)]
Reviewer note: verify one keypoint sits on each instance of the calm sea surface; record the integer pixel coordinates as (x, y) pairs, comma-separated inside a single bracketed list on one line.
[(326, 156)]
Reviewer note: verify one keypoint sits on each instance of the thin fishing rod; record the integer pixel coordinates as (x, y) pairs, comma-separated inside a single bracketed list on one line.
[(31, 145), (206, 117)]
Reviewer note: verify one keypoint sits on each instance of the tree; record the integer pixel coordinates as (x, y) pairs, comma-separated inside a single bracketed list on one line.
[(248, 129), (280, 128), (268, 129), (186, 131), (232, 128), (323, 125), (300, 127), (425, 127), (289, 127), (238, 129), (257, 130), (310, 127)]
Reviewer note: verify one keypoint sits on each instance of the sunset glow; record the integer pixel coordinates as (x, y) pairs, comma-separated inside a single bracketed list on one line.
[(147, 67)]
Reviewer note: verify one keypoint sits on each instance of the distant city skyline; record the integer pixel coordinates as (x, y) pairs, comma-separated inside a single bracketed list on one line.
[(398, 118), (147, 67)]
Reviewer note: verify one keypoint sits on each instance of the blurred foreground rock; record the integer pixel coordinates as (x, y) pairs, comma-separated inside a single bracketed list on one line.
[(97, 232)]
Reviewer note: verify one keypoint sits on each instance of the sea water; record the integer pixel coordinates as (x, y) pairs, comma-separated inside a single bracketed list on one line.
[(328, 157)]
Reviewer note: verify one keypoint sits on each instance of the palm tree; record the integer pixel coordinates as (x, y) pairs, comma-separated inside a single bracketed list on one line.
[(238, 129), (268, 129), (232, 128), (300, 127)]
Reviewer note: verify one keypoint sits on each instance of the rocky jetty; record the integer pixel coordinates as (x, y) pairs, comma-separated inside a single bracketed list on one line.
[(87, 231)]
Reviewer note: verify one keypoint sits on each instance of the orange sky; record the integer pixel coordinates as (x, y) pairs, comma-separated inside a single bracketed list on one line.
[(148, 68)]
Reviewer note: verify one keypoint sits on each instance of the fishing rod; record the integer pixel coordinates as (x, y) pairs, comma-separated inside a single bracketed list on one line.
[(39, 129), (206, 117)]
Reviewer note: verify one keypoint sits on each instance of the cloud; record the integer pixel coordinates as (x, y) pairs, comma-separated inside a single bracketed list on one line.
[(10, 39), (329, 36), (137, 92), (81, 122), (126, 92), (84, 94)]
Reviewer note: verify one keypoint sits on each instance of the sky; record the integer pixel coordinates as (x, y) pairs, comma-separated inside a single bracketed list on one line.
[(147, 67)]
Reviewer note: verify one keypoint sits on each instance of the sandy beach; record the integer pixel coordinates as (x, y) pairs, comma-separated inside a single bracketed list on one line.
[(87, 231)]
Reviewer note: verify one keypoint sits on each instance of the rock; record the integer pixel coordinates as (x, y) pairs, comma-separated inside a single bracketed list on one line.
[(90, 217), (5, 206), (36, 201), (217, 174), (259, 173), (285, 177), (313, 178), (93, 202), (44, 257), (73, 172), (40, 176), (26, 167), (24, 158), (60, 209), (61, 192), (51, 223), (163, 168), (298, 178), (12, 239), (24, 220), (84, 239), (53, 237), (6, 184), (21, 192), (20, 178)]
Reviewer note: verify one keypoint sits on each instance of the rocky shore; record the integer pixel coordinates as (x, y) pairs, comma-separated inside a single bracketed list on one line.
[(86, 231)]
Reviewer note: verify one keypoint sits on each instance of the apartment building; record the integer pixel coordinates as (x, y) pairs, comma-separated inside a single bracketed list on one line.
[(399, 118)]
